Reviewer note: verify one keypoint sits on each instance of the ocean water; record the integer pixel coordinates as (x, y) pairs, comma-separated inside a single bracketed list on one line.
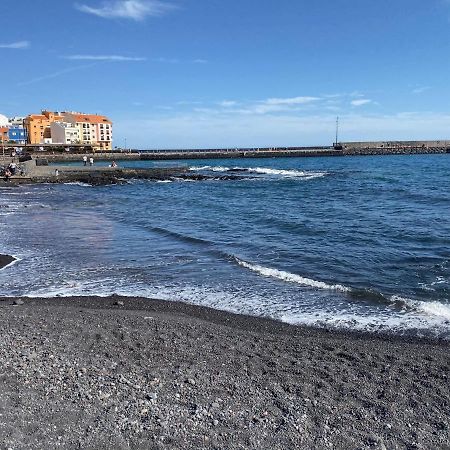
[(359, 243)]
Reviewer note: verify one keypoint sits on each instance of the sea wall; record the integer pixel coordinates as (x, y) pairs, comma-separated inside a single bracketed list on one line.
[(344, 149), (395, 148)]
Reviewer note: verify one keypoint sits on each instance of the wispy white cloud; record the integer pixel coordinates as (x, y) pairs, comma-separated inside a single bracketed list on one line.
[(204, 130), (137, 10), (189, 102), (54, 74), (361, 102), (298, 105), (165, 60), (227, 103), (421, 89), (17, 45), (162, 59), (277, 105), (291, 101), (117, 58)]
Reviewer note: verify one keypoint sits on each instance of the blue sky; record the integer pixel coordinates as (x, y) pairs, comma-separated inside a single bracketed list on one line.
[(215, 73)]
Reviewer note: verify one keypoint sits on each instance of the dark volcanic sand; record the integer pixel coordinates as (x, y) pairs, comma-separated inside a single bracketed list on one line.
[(5, 260), (88, 373)]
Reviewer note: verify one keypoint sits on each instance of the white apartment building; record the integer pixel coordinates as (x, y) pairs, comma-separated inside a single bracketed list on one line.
[(65, 133), (94, 129)]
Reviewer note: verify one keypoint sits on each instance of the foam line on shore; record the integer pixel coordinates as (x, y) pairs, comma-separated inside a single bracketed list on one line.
[(291, 277), (434, 309)]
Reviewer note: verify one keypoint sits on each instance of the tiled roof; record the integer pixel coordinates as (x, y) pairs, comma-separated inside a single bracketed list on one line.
[(90, 118), (36, 117)]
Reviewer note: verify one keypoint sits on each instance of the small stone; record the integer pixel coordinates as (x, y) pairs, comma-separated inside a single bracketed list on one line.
[(18, 302), (215, 422), (191, 381), (215, 405), (119, 303), (152, 396)]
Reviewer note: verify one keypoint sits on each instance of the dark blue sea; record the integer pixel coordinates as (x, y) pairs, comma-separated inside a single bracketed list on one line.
[(359, 243)]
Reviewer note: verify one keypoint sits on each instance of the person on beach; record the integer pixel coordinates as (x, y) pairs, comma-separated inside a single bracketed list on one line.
[(12, 168), (113, 164), (85, 160), (91, 161), (7, 175)]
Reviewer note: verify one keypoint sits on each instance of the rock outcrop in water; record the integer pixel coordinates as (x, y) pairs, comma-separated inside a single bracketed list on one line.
[(96, 176)]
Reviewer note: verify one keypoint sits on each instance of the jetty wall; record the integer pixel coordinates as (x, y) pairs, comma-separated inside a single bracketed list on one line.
[(344, 149)]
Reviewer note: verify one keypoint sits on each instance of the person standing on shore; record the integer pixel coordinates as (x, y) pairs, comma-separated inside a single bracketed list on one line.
[(91, 161), (85, 160)]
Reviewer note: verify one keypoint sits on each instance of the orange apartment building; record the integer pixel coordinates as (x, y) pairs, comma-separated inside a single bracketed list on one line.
[(4, 135), (38, 126), (94, 129)]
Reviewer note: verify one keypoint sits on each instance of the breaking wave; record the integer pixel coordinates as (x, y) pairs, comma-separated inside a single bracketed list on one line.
[(291, 277), (264, 171), (77, 183), (211, 168), (435, 309)]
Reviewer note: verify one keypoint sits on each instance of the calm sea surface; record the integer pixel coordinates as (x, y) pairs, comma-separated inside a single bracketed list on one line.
[(355, 242)]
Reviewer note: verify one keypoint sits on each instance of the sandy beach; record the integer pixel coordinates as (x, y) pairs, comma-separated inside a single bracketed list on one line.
[(131, 373)]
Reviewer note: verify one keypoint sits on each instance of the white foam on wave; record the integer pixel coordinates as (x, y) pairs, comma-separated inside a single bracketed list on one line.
[(266, 171), (287, 173), (292, 277), (78, 183), (164, 181), (435, 309), (257, 305), (211, 168)]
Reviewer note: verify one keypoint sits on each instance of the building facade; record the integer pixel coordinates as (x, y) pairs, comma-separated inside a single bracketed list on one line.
[(4, 134), (68, 128), (16, 121), (17, 135), (94, 129), (65, 133), (38, 127)]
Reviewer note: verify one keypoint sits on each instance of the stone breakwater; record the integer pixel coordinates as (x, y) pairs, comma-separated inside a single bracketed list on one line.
[(348, 149)]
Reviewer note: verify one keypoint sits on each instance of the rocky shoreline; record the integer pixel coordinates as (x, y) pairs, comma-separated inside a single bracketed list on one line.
[(107, 176), (6, 260), (132, 373)]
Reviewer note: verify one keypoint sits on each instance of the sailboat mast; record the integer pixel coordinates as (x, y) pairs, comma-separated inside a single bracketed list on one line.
[(337, 129)]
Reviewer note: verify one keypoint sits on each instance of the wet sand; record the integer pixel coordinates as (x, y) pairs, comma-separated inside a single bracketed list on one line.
[(130, 373)]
